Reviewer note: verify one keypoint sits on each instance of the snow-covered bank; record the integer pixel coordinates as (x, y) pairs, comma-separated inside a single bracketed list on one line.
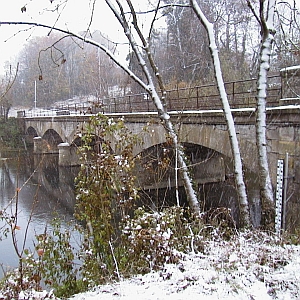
[(245, 267)]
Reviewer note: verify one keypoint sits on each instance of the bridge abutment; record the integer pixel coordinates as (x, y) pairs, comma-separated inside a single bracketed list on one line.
[(67, 155)]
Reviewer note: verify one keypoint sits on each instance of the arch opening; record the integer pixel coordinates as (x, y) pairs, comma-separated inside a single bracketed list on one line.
[(30, 134), (158, 178), (53, 139), (212, 174), (95, 144)]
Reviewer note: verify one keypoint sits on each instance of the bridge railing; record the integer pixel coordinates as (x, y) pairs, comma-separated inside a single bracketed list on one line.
[(241, 93)]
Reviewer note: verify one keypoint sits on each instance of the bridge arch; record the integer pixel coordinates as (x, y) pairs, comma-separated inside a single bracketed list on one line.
[(156, 165), (53, 139), (211, 172), (214, 137), (30, 134)]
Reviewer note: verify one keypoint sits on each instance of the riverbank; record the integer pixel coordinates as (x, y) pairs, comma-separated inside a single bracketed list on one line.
[(249, 266), (252, 265), (11, 135)]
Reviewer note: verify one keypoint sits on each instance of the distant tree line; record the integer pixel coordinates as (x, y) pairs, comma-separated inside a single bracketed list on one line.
[(62, 68)]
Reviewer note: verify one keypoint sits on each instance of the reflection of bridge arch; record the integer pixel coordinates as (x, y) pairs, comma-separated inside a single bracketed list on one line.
[(57, 181)]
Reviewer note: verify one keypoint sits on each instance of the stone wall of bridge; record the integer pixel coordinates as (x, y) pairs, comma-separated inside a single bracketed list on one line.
[(204, 129)]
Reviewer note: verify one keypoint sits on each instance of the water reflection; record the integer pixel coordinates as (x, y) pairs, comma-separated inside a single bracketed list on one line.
[(45, 190)]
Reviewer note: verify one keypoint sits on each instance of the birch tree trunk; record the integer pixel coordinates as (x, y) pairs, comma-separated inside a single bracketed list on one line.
[(151, 89), (267, 36), (238, 169)]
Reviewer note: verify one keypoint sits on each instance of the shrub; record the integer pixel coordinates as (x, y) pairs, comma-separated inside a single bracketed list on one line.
[(105, 189)]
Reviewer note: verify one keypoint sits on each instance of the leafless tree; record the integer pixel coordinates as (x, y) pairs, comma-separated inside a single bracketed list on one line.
[(152, 80), (238, 167), (5, 91), (265, 18)]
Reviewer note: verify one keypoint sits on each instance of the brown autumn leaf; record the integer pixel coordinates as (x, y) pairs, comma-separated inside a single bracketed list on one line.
[(40, 77), (40, 251)]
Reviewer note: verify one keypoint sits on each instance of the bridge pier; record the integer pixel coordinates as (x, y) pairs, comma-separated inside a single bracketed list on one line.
[(39, 145), (67, 155)]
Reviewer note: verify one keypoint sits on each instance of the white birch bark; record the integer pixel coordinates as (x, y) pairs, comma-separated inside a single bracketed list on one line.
[(267, 33), (238, 169), (159, 103)]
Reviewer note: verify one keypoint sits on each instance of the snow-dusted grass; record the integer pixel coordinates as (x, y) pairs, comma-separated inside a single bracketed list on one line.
[(249, 266)]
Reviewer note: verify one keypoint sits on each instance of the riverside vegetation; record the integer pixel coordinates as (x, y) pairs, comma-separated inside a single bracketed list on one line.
[(10, 134), (116, 238)]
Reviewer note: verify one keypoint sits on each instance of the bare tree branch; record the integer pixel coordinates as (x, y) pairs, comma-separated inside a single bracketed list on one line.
[(10, 83), (253, 11)]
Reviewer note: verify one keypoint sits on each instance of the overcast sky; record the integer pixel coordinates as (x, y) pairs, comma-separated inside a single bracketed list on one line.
[(75, 17)]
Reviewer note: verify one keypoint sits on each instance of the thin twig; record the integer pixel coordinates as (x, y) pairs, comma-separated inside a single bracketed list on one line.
[(10, 83)]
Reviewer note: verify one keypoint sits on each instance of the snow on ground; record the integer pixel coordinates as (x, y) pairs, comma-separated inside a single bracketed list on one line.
[(237, 269)]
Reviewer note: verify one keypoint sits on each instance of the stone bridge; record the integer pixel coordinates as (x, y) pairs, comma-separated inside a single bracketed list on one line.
[(205, 137), (207, 129), (202, 131)]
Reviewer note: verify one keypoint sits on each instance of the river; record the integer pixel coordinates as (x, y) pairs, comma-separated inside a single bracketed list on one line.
[(44, 191)]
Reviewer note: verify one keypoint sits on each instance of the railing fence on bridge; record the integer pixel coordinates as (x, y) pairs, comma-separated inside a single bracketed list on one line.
[(241, 93)]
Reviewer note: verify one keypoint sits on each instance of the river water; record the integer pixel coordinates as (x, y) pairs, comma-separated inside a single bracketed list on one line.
[(45, 191)]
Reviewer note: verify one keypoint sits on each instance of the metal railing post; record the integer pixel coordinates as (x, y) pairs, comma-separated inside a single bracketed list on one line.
[(130, 107), (148, 106)]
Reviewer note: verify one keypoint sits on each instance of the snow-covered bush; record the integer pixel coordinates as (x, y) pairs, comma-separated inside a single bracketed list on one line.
[(153, 239)]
